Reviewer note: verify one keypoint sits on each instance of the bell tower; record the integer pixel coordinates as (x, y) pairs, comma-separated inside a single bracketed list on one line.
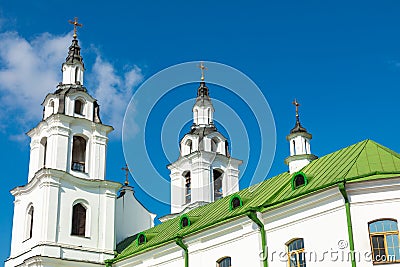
[(205, 171), (66, 211), (299, 142)]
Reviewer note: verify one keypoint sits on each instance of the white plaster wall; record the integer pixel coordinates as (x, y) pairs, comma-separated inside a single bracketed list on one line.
[(53, 194), (240, 240), (100, 233), (297, 164), (372, 201), (19, 244), (130, 216), (320, 220)]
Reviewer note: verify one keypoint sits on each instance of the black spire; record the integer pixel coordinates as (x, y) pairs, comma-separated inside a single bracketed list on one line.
[(202, 91), (74, 53), (297, 128)]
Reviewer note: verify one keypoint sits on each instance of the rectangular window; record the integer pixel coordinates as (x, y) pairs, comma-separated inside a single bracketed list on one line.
[(384, 238)]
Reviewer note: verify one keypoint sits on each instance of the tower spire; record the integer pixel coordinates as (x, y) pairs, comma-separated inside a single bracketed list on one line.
[(73, 67), (203, 108), (297, 127)]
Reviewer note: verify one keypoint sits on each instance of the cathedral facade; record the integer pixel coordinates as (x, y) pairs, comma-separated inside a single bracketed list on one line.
[(341, 209)]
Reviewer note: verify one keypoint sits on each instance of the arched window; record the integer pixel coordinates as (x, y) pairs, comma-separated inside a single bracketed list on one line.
[(305, 146), (294, 147), (43, 152), (296, 254), (217, 179), (76, 74), (78, 154), (224, 262), (29, 223), (384, 237), (189, 146), (196, 116), (51, 106), (188, 187), (78, 220), (78, 106)]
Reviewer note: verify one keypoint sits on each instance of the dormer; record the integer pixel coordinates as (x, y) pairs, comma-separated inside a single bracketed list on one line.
[(79, 104)]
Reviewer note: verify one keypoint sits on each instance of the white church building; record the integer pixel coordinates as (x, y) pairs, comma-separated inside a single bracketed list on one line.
[(341, 209)]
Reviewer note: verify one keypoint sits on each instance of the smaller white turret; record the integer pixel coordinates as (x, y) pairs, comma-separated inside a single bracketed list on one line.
[(299, 142)]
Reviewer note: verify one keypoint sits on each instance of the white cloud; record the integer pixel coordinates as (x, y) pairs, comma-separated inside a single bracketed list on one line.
[(30, 69), (113, 91)]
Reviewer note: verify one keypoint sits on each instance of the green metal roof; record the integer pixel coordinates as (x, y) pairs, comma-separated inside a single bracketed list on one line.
[(366, 160)]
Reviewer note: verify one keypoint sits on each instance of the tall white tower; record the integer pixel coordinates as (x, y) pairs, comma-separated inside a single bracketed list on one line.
[(65, 214), (205, 171), (299, 142)]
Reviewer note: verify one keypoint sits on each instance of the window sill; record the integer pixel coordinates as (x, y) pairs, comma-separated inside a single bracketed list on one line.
[(79, 236)]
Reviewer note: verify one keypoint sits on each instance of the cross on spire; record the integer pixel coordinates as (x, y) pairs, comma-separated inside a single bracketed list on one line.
[(126, 169), (297, 105), (202, 68), (76, 24)]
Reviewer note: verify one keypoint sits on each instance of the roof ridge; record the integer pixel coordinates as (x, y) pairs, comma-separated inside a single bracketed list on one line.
[(356, 157)]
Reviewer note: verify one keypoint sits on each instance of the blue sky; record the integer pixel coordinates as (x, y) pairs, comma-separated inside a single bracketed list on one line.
[(340, 59)]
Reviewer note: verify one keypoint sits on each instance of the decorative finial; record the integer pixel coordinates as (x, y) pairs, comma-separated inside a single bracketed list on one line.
[(126, 169), (203, 68), (297, 105), (76, 24)]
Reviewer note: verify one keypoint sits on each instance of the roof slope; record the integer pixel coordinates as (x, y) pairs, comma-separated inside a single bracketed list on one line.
[(366, 160)]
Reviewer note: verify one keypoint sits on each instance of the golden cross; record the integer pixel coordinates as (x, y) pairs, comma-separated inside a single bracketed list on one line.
[(76, 24), (297, 105), (203, 68), (126, 169)]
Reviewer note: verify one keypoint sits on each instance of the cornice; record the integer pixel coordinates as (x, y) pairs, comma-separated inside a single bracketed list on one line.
[(46, 177)]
